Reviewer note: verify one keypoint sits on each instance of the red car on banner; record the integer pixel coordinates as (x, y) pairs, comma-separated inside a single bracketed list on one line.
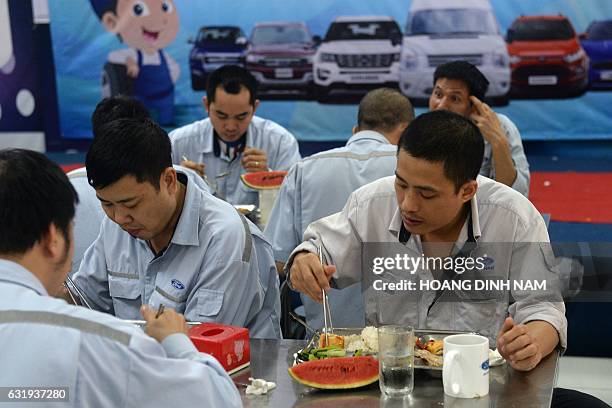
[(280, 56), (546, 57)]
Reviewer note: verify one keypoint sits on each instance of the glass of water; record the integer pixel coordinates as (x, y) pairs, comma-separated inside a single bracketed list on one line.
[(396, 360), (266, 202)]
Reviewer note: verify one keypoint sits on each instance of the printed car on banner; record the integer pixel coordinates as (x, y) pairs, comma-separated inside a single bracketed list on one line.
[(215, 46), (280, 56), (358, 53), (546, 56), (447, 30), (597, 42)]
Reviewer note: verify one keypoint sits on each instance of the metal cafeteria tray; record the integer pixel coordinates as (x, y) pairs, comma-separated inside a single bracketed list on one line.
[(423, 334)]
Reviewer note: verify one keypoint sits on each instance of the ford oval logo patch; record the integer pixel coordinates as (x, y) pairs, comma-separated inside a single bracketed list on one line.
[(177, 284)]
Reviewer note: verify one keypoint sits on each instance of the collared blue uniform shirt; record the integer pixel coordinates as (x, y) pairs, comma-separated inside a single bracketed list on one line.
[(215, 269), (195, 141), (102, 361)]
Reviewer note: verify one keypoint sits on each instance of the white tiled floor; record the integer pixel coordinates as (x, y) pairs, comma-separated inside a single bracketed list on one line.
[(587, 374)]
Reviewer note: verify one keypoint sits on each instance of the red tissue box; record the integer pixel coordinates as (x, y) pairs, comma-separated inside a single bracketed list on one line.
[(228, 344)]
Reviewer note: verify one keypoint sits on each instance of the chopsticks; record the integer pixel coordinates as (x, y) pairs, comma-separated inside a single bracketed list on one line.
[(74, 301), (160, 310), (70, 282), (142, 323), (326, 310)]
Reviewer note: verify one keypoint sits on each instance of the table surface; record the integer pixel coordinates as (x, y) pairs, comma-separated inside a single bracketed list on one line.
[(270, 360)]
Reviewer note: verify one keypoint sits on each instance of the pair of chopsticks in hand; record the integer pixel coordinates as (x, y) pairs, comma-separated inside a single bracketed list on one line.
[(70, 283), (329, 328), (70, 286)]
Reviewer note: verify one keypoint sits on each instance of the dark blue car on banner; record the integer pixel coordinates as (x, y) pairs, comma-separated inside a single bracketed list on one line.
[(215, 46), (597, 42)]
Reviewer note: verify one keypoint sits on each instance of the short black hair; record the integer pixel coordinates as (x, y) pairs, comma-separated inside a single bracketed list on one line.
[(447, 137), (117, 107), (232, 78), (463, 71), (34, 193), (136, 147), (384, 109)]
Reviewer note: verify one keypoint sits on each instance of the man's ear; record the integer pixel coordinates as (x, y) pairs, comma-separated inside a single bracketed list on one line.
[(206, 104), (110, 21), (255, 105), (468, 190), (52, 243), (168, 180)]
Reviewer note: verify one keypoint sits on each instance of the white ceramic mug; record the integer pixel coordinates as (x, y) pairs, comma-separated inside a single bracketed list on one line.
[(465, 373)]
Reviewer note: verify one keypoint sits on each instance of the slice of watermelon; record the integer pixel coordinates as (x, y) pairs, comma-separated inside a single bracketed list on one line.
[(263, 180), (337, 373)]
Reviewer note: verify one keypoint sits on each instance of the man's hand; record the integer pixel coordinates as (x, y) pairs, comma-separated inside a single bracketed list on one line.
[(309, 276), (516, 344), (132, 68), (487, 121), (197, 167), (254, 160), (169, 322)]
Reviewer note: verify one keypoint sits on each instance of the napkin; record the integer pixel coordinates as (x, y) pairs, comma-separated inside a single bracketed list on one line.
[(259, 386), (495, 359)]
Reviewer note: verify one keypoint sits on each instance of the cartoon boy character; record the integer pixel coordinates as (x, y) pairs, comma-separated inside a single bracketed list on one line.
[(146, 26)]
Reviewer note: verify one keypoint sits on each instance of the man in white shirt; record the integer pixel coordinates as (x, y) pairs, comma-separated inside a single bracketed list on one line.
[(232, 141), (460, 87), (436, 206), (319, 185), (92, 358)]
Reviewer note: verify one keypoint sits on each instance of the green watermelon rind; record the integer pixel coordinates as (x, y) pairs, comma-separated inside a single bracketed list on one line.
[(333, 384), (250, 179)]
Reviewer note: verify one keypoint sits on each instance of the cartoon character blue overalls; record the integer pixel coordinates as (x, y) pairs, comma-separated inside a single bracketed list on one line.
[(154, 87)]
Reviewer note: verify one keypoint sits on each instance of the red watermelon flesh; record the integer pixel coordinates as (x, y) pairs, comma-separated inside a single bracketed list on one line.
[(337, 373), (262, 180)]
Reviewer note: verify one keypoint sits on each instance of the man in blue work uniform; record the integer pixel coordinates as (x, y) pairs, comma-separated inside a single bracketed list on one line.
[(165, 241), (89, 213), (146, 26), (319, 185), (232, 141), (96, 359)]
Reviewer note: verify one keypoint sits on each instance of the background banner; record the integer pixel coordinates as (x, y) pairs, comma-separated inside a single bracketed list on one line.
[(315, 59)]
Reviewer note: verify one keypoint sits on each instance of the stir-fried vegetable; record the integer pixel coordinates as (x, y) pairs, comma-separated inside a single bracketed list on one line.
[(324, 352)]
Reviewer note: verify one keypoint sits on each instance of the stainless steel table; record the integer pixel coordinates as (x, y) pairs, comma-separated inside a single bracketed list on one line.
[(508, 388)]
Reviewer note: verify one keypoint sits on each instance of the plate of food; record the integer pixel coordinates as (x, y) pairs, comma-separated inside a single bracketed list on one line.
[(348, 342)]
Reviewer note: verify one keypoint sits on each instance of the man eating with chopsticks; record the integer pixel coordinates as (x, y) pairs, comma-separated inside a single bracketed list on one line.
[(165, 241), (437, 206)]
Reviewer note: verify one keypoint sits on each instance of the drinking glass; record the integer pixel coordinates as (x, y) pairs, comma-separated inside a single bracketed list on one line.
[(396, 360), (266, 202)]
